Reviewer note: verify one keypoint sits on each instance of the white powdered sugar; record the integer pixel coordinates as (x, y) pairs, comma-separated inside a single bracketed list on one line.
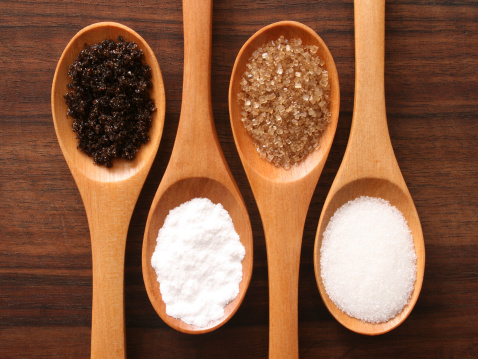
[(198, 261), (368, 260)]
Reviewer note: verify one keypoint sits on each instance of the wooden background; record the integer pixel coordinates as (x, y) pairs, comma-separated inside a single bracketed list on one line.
[(45, 259)]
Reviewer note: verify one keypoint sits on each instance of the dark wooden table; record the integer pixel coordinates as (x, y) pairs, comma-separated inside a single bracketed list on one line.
[(45, 259)]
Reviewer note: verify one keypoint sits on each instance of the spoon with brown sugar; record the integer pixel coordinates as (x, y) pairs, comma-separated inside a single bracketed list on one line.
[(282, 196), (109, 194)]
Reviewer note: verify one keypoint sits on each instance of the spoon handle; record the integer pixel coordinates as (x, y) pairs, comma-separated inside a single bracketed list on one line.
[(197, 22), (108, 225), (196, 125), (107, 325), (369, 137), (197, 151), (283, 253), (283, 211)]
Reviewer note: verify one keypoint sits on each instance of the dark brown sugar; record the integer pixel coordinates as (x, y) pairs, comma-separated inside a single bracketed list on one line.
[(109, 100)]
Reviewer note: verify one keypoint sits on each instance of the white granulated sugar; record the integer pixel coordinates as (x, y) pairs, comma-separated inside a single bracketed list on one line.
[(198, 261), (368, 260)]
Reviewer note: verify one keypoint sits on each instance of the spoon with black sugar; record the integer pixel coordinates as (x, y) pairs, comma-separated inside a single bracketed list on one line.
[(109, 194)]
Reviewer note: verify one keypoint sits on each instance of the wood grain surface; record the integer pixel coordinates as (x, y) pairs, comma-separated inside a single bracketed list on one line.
[(431, 80)]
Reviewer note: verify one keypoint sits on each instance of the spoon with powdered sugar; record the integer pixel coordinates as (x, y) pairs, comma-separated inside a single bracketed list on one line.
[(197, 168)]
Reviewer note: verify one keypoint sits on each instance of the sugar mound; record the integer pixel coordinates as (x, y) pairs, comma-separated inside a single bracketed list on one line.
[(198, 261), (368, 260)]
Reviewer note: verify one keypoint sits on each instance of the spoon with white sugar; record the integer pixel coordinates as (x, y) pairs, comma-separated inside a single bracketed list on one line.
[(369, 167)]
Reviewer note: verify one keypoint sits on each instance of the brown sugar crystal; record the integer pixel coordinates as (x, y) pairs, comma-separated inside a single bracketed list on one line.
[(285, 100), (109, 100)]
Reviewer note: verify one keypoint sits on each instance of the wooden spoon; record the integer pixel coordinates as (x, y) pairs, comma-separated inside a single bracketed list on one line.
[(369, 167), (197, 167), (109, 194), (282, 196)]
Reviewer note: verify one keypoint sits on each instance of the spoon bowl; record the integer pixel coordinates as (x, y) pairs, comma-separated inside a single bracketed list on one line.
[(197, 167), (398, 197), (109, 194), (176, 194), (122, 168), (244, 143), (369, 167), (283, 196)]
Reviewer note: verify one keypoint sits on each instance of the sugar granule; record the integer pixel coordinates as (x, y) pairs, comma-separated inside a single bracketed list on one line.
[(198, 261), (368, 260), (109, 100), (285, 95)]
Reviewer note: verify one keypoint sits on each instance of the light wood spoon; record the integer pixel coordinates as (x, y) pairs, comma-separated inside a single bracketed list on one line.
[(109, 194), (282, 196), (197, 167), (369, 167)]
